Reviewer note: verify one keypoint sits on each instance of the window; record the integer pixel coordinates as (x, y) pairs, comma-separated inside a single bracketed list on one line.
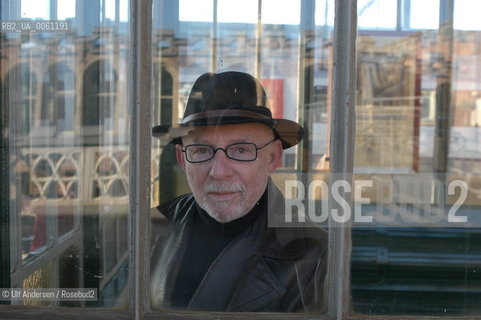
[(99, 92), (24, 81), (163, 94), (59, 98), (389, 94), (377, 14), (65, 218)]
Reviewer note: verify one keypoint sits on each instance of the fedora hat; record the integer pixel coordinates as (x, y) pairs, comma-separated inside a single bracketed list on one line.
[(232, 98)]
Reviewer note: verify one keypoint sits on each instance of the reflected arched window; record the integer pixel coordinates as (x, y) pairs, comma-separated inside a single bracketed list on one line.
[(58, 104), (163, 95), (21, 90), (99, 95)]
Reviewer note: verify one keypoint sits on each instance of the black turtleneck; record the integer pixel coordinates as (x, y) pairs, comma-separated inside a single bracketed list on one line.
[(209, 237)]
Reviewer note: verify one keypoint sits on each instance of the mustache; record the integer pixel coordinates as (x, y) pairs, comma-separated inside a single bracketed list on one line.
[(222, 187)]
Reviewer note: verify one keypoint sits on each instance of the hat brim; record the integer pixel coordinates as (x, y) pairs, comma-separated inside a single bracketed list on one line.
[(289, 132)]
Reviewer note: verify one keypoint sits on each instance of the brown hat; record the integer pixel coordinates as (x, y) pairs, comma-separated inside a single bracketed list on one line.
[(232, 98)]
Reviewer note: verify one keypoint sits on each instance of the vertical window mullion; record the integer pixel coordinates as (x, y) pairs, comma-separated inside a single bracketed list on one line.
[(4, 188), (214, 36), (140, 146), (443, 96), (259, 35), (342, 154)]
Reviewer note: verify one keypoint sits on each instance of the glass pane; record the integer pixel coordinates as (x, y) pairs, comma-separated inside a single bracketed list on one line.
[(418, 17), (229, 11), (290, 54), (281, 12), (64, 120), (465, 15), (35, 9), (377, 14), (325, 12), (195, 10), (417, 147)]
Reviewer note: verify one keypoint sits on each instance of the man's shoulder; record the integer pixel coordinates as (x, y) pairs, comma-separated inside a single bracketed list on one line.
[(178, 207)]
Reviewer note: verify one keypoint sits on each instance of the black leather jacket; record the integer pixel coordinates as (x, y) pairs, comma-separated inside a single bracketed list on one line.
[(263, 269)]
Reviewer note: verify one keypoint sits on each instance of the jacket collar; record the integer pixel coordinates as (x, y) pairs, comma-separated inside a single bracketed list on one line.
[(286, 242)]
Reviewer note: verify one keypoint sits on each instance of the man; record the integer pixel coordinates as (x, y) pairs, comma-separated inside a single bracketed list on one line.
[(222, 255)]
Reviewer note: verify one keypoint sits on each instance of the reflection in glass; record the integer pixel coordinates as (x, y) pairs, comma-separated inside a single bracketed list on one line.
[(279, 43), (36, 9), (324, 12), (66, 9), (58, 104), (281, 12), (196, 10), (377, 14), (418, 19), (65, 96), (99, 93), (23, 85), (416, 133), (229, 11)]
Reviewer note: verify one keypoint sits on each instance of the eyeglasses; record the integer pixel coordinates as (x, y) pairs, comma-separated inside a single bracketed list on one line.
[(244, 151)]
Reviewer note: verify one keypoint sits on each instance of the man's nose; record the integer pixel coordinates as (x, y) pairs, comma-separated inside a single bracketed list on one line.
[(221, 165)]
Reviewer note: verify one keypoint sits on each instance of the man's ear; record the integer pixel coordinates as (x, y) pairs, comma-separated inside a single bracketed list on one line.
[(179, 155), (276, 156)]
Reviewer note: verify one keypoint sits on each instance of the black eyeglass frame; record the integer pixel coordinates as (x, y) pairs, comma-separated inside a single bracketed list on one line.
[(214, 150)]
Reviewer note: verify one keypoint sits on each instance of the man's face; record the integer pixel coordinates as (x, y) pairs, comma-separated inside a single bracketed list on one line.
[(228, 189)]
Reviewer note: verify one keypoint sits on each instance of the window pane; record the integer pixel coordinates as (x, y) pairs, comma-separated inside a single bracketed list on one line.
[(418, 17), (325, 12), (281, 12), (229, 11), (196, 10), (465, 15), (35, 9), (416, 144), (377, 14), (65, 9), (290, 56), (64, 120), (59, 98)]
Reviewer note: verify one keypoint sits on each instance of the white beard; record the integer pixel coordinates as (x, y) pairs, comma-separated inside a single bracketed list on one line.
[(224, 211)]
